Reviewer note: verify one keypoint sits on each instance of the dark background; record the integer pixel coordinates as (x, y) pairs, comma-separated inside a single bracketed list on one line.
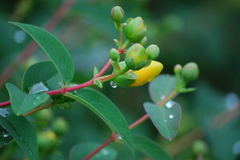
[(205, 32)]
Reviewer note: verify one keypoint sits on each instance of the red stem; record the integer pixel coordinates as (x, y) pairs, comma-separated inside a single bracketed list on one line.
[(107, 142), (64, 90)]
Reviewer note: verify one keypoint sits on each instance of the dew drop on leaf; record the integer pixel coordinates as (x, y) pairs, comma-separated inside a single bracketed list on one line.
[(170, 104), (163, 97), (113, 84), (4, 112), (104, 152), (38, 98), (236, 147), (165, 120), (171, 116)]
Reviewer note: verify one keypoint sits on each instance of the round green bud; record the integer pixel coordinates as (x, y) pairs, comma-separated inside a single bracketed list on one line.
[(136, 57), (45, 114), (60, 125), (135, 30), (190, 71), (117, 14), (178, 69), (200, 147), (114, 54), (152, 51), (47, 140), (143, 41)]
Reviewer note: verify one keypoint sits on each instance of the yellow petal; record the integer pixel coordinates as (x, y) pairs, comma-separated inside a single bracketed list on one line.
[(147, 74)]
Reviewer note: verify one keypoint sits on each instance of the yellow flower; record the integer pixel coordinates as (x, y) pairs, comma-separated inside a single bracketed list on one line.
[(147, 74)]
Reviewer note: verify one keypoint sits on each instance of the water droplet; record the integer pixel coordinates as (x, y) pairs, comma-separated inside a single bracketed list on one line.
[(34, 103), (165, 120), (119, 137), (231, 101), (5, 135), (30, 152), (60, 84), (5, 143), (113, 84), (4, 112), (39, 87), (170, 104), (38, 98), (163, 97), (171, 116), (236, 147), (104, 152), (19, 36)]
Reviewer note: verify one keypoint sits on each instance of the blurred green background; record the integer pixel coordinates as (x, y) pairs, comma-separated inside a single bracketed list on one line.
[(205, 32)]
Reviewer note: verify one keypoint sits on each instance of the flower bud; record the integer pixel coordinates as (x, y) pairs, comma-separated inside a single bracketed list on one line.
[(143, 41), (117, 14), (59, 125), (178, 69), (135, 30), (190, 71), (152, 51), (114, 54), (147, 74), (136, 57)]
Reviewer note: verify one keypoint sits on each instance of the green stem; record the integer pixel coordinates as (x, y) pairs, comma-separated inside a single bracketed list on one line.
[(112, 76), (125, 44)]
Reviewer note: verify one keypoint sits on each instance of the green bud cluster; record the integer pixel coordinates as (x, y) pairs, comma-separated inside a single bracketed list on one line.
[(136, 55), (184, 75)]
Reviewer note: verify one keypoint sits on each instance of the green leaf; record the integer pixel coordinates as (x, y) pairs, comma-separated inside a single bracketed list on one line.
[(53, 48), (117, 43), (95, 71), (41, 77), (21, 102), (98, 83), (81, 150), (161, 87), (21, 130), (150, 148), (106, 110), (165, 118)]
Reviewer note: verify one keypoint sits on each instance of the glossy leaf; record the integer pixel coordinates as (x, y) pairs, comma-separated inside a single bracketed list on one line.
[(41, 76), (165, 118), (150, 148), (22, 132), (105, 109), (81, 150), (21, 102), (161, 87), (53, 48)]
